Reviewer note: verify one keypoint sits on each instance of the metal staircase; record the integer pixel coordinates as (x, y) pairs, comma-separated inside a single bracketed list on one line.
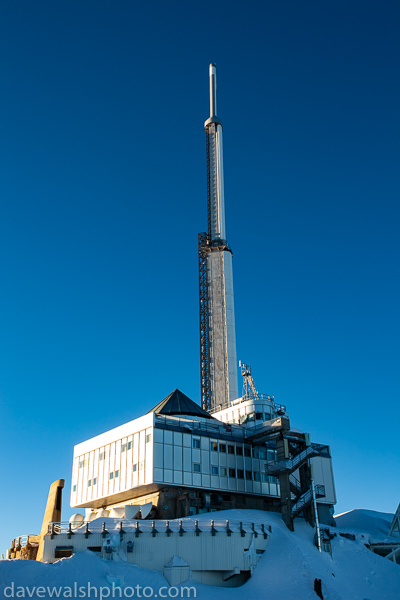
[(292, 464), (306, 498)]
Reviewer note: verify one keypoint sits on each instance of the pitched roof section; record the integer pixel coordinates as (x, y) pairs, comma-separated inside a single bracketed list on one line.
[(177, 403)]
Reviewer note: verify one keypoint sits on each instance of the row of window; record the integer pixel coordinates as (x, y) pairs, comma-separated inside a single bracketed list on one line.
[(237, 473), (103, 455), (256, 451), (115, 474)]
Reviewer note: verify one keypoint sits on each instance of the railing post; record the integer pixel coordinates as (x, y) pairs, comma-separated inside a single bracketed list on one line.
[(228, 531), (137, 530), (213, 530), (168, 531), (242, 531), (153, 529), (197, 530), (181, 530)]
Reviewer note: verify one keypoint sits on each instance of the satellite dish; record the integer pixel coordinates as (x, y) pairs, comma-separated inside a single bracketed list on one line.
[(76, 520), (146, 509)]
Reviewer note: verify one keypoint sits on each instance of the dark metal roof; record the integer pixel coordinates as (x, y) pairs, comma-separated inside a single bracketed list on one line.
[(177, 403)]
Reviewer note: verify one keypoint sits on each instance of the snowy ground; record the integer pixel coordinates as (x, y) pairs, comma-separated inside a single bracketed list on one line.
[(286, 571)]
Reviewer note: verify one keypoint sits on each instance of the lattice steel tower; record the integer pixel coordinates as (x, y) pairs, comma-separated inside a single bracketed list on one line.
[(219, 378)]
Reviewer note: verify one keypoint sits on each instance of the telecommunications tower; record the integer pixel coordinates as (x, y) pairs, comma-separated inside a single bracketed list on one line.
[(218, 365)]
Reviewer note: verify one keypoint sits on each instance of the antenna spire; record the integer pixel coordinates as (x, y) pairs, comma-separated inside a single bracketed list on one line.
[(213, 90)]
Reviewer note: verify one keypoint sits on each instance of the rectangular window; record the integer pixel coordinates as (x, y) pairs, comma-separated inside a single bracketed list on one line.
[(256, 476), (196, 468), (214, 446), (95, 481), (259, 416), (263, 453), (247, 451), (111, 475), (222, 447), (129, 445), (264, 477), (240, 474), (196, 443), (232, 473), (134, 468), (271, 455), (141, 465), (223, 471), (231, 449), (148, 438), (116, 473), (214, 470), (239, 450), (248, 475), (89, 483), (82, 463), (123, 448), (103, 455), (256, 452), (74, 488)]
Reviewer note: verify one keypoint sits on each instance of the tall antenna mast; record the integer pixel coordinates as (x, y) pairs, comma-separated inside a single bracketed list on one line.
[(219, 381)]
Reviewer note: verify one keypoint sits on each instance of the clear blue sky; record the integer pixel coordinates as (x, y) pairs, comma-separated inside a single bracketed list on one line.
[(103, 192)]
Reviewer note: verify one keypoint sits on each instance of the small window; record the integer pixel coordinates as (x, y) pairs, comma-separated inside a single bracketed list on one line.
[(196, 443), (271, 455), (141, 465), (214, 446), (95, 481), (101, 456), (251, 416), (231, 449), (256, 452), (82, 463), (196, 468), (123, 448), (263, 453), (247, 451), (232, 473), (264, 477), (74, 488), (116, 473), (148, 438), (222, 447), (214, 470), (239, 450), (240, 474), (256, 476), (223, 471), (259, 416), (89, 483), (111, 475), (249, 476), (129, 445), (134, 468)]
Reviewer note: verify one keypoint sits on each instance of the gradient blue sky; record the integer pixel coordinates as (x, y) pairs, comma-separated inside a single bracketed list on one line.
[(103, 192)]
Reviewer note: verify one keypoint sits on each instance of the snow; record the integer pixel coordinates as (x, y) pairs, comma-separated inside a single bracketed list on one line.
[(286, 570)]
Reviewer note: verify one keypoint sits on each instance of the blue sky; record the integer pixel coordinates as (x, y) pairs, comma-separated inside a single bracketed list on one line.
[(103, 192)]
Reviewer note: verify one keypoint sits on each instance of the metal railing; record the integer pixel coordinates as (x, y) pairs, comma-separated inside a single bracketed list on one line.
[(178, 526), (261, 398)]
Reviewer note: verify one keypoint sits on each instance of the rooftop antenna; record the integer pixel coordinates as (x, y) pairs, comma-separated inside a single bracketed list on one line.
[(249, 388)]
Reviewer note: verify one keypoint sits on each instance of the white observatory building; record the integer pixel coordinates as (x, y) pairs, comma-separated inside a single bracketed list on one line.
[(234, 451)]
